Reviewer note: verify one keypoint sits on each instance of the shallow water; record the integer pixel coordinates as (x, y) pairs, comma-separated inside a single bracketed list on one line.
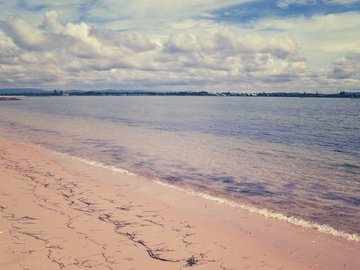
[(300, 157)]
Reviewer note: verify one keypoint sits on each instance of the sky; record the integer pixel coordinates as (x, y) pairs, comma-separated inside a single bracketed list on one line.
[(212, 45)]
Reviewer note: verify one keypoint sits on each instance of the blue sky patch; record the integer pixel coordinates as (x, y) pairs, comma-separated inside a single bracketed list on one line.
[(252, 11), (23, 4)]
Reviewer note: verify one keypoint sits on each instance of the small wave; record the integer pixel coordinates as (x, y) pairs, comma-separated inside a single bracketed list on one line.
[(350, 166), (83, 160), (96, 163)]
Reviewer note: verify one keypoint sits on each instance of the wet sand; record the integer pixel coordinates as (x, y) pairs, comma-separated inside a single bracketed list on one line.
[(60, 213)]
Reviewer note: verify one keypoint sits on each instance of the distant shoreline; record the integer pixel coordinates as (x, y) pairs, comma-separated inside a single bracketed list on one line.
[(13, 94), (6, 98)]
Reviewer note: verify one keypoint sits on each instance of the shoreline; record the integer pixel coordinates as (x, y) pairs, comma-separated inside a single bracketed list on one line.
[(60, 213), (231, 202), (220, 199)]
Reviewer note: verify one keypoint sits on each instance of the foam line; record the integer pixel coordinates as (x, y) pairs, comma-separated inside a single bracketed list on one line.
[(270, 214), (96, 164), (83, 160)]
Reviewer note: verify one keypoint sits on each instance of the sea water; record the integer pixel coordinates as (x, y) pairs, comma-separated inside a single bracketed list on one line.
[(297, 157)]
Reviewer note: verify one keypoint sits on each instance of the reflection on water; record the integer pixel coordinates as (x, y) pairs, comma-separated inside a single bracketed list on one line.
[(297, 156)]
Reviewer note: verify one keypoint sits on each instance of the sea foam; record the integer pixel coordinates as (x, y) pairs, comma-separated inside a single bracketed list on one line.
[(269, 214), (96, 163)]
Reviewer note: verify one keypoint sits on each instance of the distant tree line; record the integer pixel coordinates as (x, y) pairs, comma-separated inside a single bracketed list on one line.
[(38, 92)]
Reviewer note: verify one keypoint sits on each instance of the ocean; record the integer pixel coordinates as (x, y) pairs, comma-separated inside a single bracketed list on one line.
[(296, 157)]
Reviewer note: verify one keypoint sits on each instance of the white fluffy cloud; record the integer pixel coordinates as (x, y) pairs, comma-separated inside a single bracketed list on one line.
[(24, 34), (57, 55), (60, 53)]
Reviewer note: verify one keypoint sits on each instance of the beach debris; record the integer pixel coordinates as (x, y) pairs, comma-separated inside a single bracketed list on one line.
[(191, 261)]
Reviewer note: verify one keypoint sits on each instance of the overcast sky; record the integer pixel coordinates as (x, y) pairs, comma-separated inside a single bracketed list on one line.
[(214, 45)]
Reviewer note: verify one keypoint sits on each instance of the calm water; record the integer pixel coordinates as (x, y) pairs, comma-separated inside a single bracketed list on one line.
[(300, 157)]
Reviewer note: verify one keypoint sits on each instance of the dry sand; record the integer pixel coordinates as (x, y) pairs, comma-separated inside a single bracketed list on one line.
[(60, 213)]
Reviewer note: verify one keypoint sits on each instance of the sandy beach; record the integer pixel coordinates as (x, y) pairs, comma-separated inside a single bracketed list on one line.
[(61, 213)]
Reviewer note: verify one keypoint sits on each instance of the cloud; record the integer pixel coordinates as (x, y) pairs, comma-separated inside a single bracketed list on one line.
[(287, 3), (347, 68), (321, 38), (68, 53), (342, 2), (189, 53), (159, 9), (132, 41), (230, 43), (139, 15), (24, 34)]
